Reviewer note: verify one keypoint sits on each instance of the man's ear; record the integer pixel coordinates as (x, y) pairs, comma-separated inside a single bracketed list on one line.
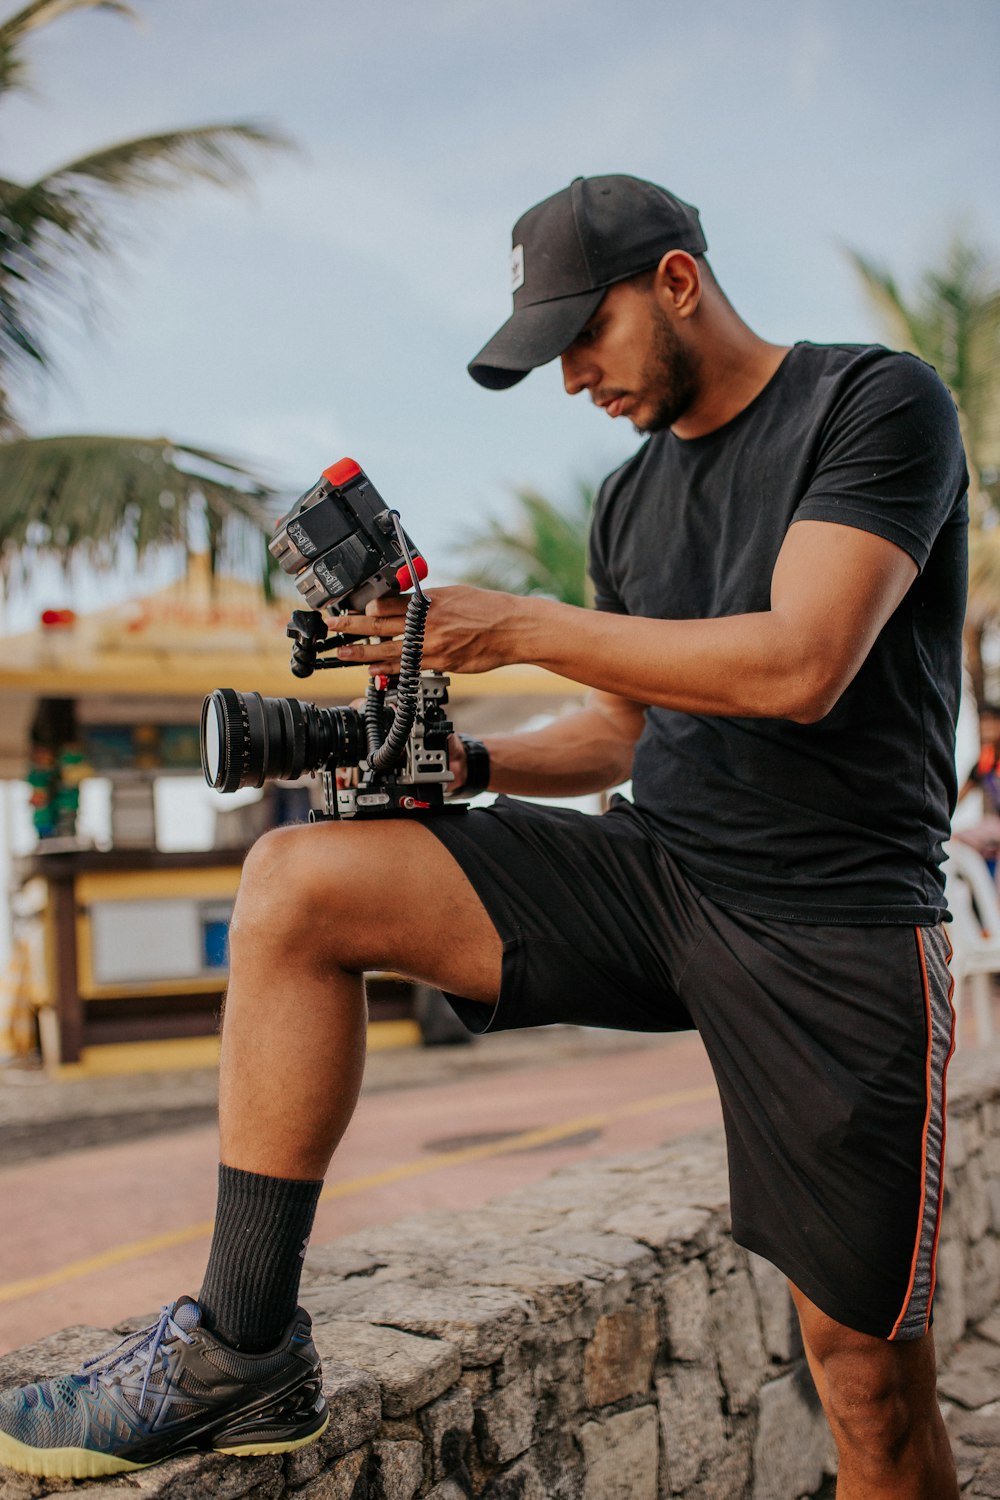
[(677, 283)]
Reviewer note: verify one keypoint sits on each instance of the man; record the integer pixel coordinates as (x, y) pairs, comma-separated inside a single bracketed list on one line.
[(774, 660)]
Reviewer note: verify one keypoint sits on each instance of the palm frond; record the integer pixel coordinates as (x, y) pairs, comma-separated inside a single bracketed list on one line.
[(171, 159), (952, 320), (14, 30), (544, 551), (51, 229), (884, 294), (71, 206), (982, 390), (984, 574), (98, 496)]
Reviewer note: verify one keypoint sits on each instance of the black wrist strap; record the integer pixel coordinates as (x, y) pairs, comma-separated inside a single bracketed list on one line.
[(477, 768)]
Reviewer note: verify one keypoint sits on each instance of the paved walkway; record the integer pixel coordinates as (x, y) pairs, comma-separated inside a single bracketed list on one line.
[(41, 1116), (113, 1219)]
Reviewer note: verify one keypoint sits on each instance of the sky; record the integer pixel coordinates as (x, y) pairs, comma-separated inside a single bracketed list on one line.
[(332, 309)]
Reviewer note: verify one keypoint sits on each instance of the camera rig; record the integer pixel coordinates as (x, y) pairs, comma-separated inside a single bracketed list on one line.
[(344, 547)]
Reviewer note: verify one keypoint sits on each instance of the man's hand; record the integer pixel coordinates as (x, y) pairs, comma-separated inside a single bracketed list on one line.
[(467, 630)]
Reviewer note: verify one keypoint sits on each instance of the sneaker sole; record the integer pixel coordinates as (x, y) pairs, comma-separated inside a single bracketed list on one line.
[(87, 1463)]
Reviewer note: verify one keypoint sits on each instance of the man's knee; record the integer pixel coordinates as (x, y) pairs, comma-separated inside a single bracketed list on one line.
[(869, 1404), (288, 896), (877, 1394), (362, 897)]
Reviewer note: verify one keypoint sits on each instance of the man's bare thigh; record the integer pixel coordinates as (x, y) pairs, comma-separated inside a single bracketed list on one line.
[(375, 895)]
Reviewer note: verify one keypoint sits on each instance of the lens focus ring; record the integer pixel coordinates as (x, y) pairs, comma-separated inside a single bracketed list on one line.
[(238, 724)]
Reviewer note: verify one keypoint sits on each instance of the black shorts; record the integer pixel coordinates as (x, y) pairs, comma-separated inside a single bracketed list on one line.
[(829, 1043)]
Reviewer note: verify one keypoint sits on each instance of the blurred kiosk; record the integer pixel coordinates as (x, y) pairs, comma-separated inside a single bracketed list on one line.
[(128, 943), (123, 946)]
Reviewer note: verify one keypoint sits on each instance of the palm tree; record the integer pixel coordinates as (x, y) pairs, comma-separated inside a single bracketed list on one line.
[(983, 608), (92, 494), (543, 552), (953, 322)]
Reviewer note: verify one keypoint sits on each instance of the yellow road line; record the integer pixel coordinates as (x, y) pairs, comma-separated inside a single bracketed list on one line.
[(525, 1140), (103, 1260)]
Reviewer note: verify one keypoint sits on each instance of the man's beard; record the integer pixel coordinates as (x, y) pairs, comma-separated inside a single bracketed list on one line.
[(670, 375)]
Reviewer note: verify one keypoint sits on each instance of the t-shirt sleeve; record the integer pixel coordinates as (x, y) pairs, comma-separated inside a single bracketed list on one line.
[(606, 596), (890, 456)]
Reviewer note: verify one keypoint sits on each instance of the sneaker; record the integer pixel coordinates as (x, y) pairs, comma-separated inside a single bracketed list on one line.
[(168, 1389)]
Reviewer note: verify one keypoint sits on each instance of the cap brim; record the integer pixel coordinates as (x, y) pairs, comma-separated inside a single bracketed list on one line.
[(531, 337)]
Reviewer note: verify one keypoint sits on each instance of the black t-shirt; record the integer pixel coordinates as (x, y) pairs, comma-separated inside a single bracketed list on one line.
[(841, 820)]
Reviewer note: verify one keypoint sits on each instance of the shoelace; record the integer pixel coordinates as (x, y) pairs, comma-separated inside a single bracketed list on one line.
[(126, 1357)]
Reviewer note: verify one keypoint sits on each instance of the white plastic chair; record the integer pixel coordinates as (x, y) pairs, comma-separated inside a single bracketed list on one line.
[(975, 933)]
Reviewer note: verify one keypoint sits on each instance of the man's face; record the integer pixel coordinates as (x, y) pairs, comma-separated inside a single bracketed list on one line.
[(632, 360)]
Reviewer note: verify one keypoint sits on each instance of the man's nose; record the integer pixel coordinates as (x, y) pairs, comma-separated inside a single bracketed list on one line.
[(578, 373)]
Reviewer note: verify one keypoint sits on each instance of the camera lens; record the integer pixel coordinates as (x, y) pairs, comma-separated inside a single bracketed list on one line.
[(247, 739)]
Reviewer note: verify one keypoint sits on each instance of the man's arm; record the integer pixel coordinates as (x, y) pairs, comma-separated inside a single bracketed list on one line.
[(585, 751), (832, 590)]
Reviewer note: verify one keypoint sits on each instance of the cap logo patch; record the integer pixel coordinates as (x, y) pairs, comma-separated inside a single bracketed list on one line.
[(516, 267)]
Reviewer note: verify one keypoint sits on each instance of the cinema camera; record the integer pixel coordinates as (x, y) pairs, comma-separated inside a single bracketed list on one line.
[(344, 547)]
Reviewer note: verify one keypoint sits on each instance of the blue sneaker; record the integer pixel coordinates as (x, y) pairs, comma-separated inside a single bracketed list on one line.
[(167, 1389)]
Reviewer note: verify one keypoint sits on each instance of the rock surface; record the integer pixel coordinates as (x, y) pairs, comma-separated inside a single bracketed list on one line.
[(597, 1336)]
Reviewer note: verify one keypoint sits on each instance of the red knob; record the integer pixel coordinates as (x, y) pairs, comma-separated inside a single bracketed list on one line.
[(342, 471), (403, 574)]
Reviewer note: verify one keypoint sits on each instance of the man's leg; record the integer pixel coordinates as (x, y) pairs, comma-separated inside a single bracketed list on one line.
[(316, 907), (880, 1399)]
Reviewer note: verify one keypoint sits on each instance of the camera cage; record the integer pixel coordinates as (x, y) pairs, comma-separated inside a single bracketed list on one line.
[(344, 547)]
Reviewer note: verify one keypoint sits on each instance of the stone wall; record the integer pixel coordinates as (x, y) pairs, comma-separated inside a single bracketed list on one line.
[(595, 1337)]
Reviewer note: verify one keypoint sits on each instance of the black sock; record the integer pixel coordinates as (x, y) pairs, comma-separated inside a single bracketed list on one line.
[(251, 1286)]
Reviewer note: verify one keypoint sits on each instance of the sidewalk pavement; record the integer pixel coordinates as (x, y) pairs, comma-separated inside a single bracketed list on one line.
[(42, 1116)]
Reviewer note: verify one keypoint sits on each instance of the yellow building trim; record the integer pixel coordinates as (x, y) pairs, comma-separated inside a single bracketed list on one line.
[(209, 884), (179, 676), (142, 989), (172, 1054), (390, 1036), (179, 1054), (50, 947)]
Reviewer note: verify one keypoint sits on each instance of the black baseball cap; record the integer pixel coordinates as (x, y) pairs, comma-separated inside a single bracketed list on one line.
[(566, 252)]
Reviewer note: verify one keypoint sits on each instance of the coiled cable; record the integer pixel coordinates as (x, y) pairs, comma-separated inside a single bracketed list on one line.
[(391, 752), (374, 718)]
